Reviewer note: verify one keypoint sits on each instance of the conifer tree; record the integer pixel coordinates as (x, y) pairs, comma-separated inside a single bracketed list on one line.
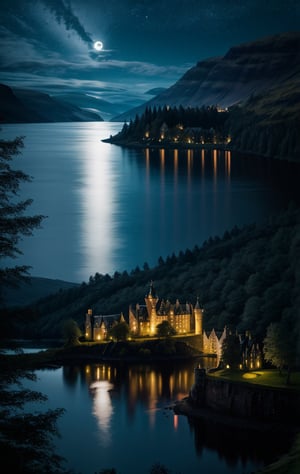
[(15, 223)]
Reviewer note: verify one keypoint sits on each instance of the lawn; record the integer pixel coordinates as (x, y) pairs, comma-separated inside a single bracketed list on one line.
[(268, 377)]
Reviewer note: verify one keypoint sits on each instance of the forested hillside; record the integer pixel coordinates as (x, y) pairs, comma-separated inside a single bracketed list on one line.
[(245, 279), (259, 83), (268, 124)]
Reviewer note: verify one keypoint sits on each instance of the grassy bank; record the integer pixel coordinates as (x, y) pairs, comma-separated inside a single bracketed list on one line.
[(266, 377)]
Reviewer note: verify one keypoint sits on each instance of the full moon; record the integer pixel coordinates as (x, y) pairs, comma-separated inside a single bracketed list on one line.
[(98, 45)]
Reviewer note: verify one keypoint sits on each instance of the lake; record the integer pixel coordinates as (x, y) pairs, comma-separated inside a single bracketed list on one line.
[(111, 209), (118, 416)]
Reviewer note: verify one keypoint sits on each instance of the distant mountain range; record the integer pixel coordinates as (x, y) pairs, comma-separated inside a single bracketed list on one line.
[(30, 106), (88, 102), (259, 82), (245, 71), (33, 289)]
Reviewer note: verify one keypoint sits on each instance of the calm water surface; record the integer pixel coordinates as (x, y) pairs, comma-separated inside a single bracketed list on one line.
[(117, 416), (110, 209)]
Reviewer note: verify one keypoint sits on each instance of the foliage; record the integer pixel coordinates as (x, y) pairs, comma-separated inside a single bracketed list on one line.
[(164, 329), (14, 222), (268, 123), (71, 332), (119, 331), (231, 351), (246, 280), (190, 124), (280, 345), (26, 439)]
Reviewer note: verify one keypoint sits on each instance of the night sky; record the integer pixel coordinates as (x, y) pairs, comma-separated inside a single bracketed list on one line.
[(48, 44)]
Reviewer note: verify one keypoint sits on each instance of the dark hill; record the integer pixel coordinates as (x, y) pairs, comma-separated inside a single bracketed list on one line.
[(245, 279), (87, 102), (32, 290), (246, 70), (29, 106)]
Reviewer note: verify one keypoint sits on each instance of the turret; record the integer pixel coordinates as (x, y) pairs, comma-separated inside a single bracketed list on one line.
[(151, 301), (89, 325), (198, 313)]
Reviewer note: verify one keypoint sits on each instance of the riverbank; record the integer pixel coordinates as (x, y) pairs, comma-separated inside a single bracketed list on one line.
[(146, 351), (167, 145)]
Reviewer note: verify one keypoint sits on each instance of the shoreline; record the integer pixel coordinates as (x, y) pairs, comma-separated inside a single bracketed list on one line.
[(168, 145), (187, 408)]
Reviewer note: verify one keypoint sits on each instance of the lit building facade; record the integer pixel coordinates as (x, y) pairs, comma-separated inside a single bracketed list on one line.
[(144, 319)]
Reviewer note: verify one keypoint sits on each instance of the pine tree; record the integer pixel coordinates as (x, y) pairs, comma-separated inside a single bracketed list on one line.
[(14, 224)]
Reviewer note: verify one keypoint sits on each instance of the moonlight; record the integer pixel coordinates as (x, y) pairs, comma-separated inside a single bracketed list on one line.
[(98, 45)]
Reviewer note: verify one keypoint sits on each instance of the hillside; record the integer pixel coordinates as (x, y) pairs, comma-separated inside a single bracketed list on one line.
[(28, 106), (268, 123), (246, 70), (90, 103), (32, 290), (245, 279)]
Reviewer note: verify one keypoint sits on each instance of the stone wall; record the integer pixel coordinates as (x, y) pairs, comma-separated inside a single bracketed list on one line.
[(245, 399)]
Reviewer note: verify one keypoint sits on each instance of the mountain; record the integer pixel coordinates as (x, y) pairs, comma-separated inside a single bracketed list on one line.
[(243, 72), (32, 290), (30, 106), (91, 103)]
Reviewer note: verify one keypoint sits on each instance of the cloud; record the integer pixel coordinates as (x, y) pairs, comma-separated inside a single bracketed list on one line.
[(64, 14)]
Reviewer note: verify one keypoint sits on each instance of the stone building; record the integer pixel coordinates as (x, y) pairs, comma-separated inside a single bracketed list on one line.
[(143, 320)]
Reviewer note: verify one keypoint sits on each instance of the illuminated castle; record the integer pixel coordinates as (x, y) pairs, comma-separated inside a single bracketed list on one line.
[(144, 319)]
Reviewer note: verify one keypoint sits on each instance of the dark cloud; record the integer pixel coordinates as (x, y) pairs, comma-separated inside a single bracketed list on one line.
[(64, 14), (147, 43)]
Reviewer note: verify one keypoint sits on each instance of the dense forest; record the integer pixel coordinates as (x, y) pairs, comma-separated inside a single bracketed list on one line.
[(265, 125), (245, 279), (268, 124), (175, 125)]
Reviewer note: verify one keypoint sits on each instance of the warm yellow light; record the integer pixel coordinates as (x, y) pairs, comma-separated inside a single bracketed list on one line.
[(249, 375), (227, 366)]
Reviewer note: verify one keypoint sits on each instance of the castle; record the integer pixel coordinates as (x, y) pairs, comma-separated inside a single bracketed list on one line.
[(144, 319)]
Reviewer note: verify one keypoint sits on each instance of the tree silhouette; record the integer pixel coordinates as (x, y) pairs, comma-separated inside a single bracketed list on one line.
[(14, 224)]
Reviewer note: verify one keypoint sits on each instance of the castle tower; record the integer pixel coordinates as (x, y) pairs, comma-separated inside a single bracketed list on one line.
[(151, 301), (89, 325), (198, 313)]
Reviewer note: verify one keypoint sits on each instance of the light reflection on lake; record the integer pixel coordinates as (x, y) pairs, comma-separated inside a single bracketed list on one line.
[(118, 416), (112, 209)]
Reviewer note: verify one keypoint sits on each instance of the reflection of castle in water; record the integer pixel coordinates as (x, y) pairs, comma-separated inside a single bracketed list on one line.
[(153, 387), (134, 384)]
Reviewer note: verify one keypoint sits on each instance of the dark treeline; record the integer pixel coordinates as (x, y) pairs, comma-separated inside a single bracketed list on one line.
[(246, 279), (255, 128), (174, 120), (268, 123)]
